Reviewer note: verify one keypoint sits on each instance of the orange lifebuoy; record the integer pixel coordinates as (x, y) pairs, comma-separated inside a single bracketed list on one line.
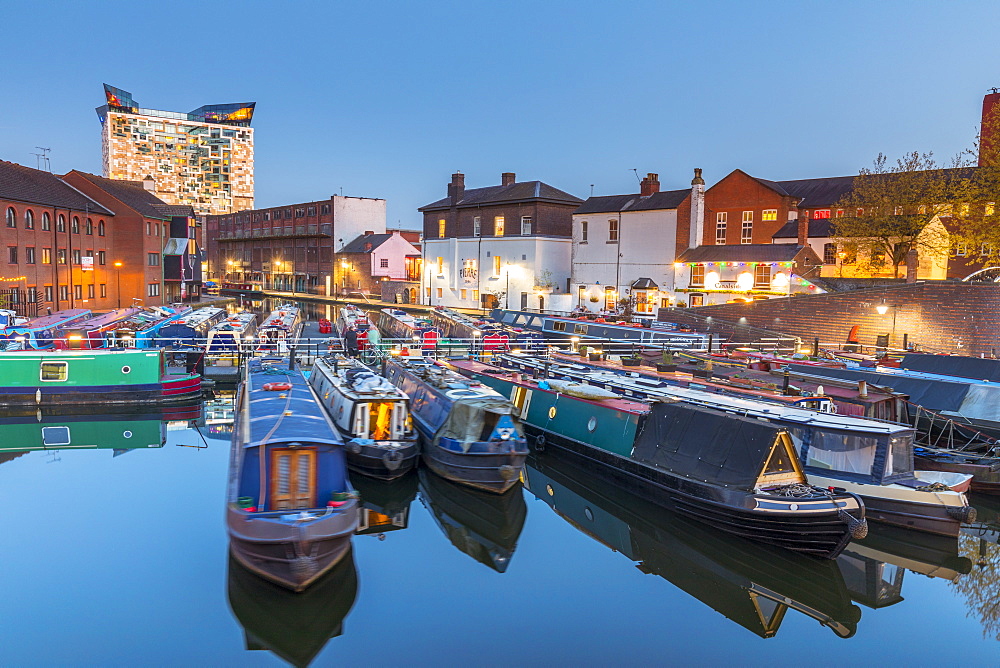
[(276, 387)]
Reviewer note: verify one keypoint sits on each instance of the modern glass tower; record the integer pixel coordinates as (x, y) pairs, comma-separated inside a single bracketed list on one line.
[(203, 158)]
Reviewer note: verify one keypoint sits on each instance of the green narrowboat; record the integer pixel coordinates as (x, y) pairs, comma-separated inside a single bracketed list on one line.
[(82, 432), (91, 377)]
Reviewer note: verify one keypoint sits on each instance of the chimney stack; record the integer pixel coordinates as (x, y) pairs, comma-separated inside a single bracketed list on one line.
[(650, 185), (989, 130), (456, 189), (149, 184), (803, 222), (697, 232), (507, 178)]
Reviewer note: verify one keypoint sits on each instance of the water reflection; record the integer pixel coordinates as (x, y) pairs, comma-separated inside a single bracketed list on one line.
[(485, 526), (385, 506), (981, 587), (754, 585), (294, 626)]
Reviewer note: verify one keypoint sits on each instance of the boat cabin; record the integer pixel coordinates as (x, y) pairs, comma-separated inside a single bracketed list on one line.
[(41, 333), (231, 334), (362, 404), (96, 332), (194, 325), (561, 328), (280, 326)]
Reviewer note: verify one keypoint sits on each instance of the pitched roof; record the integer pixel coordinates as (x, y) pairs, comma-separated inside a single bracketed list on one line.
[(131, 193), (818, 192), (818, 228), (515, 192), (668, 199), (33, 186), (175, 209), (358, 245), (742, 253)]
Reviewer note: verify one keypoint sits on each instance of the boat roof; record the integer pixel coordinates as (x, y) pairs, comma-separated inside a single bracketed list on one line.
[(201, 315), (106, 318), (387, 391), (757, 408), (405, 317), (238, 321), (284, 416), (976, 368), (282, 317), (55, 355), (56, 318), (445, 378)]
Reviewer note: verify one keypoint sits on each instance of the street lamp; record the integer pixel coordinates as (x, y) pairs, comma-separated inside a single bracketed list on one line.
[(118, 272)]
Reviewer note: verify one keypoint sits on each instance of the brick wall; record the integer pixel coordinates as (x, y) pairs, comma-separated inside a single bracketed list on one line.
[(952, 317), (738, 192)]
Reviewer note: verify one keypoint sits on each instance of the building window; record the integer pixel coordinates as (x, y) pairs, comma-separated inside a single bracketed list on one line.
[(840, 212), (720, 227), (440, 293), (428, 292), (11, 217), (762, 276), (149, 228), (29, 220), (698, 276), (496, 265), (61, 256), (46, 222), (477, 226), (821, 213), (498, 226), (769, 214), (464, 293), (153, 259), (90, 291), (78, 292), (61, 223), (102, 257), (100, 228), (76, 225), (29, 255), (613, 231), (90, 227), (829, 253), (104, 289), (525, 226), (440, 264), (12, 254), (46, 256), (746, 235), (63, 292), (441, 228), (475, 295), (384, 263), (325, 209), (153, 290), (311, 211), (76, 257), (583, 231), (48, 293)]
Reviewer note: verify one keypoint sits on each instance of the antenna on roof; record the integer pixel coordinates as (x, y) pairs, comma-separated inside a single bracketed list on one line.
[(42, 159), (591, 189), (637, 175)]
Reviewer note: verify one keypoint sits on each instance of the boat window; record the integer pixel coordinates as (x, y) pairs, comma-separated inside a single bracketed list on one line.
[(842, 452), (558, 326), (55, 371), (900, 456), (579, 329), (293, 474), (379, 420), (53, 436)]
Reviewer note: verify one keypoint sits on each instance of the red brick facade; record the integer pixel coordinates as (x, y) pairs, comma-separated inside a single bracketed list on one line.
[(737, 195)]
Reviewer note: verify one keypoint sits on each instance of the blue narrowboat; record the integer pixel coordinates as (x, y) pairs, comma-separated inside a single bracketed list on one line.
[(470, 433), (291, 510), (190, 326), (142, 329), (41, 333), (486, 333), (95, 332), (232, 334)]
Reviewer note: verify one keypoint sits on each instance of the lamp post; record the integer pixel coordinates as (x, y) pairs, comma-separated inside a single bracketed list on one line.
[(118, 273), (882, 309)]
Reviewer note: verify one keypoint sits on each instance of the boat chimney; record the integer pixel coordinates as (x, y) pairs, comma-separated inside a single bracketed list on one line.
[(820, 390), (291, 358), (786, 379), (862, 389)]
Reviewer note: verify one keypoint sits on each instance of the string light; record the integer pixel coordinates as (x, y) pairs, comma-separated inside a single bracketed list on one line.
[(13, 279)]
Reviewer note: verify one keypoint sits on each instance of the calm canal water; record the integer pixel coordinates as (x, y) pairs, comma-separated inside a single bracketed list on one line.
[(117, 555)]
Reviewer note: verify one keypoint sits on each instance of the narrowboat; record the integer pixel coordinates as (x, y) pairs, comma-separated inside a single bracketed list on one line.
[(870, 458), (751, 584), (295, 627), (349, 316), (734, 473), (191, 326), (113, 376), (255, 290), (471, 434), (384, 505), (484, 526), (9, 318), (614, 336), (290, 508), (280, 329), (232, 334), (42, 333), (142, 330), (371, 414), (400, 325), (485, 333), (95, 332)]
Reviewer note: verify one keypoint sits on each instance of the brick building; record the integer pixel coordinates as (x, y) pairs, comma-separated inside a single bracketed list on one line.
[(372, 259), (290, 248), (511, 240)]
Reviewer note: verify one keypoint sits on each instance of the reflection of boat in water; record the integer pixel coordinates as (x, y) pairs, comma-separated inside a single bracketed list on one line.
[(384, 505), (485, 526), (752, 584), (295, 626), (987, 524)]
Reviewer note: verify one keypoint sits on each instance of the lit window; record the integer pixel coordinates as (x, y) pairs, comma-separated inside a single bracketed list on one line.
[(498, 226), (477, 226), (464, 293), (840, 213), (441, 226), (829, 253), (990, 208), (440, 264), (525, 226), (612, 230), (698, 276), (769, 214), (54, 371), (762, 276), (496, 265), (475, 295), (440, 293)]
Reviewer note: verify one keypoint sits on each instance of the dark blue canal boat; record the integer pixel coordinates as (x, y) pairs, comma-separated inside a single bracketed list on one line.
[(471, 434), (291, 510)]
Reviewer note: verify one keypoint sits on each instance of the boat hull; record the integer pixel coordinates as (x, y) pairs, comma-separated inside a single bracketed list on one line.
[(172, 391), (490, 472), (382, 461), (985, 479), (820, 534)]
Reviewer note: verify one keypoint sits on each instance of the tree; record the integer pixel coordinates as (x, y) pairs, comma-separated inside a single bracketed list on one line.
[(981, 587), (895, 208)]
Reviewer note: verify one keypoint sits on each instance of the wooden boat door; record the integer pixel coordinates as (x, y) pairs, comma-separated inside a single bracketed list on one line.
[(293, 478)]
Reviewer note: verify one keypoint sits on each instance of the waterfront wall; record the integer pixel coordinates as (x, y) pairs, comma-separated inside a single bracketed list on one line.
[(951, 317)]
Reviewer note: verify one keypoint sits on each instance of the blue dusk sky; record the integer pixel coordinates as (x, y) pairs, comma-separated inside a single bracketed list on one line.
[(388, 99)]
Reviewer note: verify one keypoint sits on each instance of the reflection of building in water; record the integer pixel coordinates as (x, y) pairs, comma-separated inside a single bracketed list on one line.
[(295, 626), (385, 506), (754, 585), (485, 526)]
